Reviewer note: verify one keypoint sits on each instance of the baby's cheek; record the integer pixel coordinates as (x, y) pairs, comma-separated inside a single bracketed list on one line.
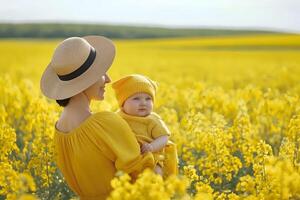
[(135, 106)]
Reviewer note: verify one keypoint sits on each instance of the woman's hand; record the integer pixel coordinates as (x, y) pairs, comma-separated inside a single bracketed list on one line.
[(146, 147)]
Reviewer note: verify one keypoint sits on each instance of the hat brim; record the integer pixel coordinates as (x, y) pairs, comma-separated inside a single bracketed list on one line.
[(55, 88)]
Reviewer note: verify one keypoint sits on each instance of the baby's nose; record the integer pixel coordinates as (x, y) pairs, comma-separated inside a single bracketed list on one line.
[(143, 101)]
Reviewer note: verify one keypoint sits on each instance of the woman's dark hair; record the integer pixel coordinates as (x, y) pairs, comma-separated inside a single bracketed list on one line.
[(63, 102)]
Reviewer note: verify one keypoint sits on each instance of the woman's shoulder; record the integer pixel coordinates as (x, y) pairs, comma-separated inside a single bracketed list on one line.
[(109, 123), (106, 115), (103, 118), (108, 118)]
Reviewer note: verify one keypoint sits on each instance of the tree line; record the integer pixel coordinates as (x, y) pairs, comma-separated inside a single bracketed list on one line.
[(56, 30)]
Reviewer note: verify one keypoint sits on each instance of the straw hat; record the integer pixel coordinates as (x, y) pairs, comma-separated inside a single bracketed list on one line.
[(77, 63)]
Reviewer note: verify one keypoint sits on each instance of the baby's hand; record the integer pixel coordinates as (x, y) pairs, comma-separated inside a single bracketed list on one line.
[(146, 147)]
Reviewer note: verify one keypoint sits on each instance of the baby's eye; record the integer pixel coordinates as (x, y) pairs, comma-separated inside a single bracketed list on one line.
[(148, 98), (136, 98)]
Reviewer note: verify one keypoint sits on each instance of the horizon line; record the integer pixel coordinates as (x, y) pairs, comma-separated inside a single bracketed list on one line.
[(152, 25)]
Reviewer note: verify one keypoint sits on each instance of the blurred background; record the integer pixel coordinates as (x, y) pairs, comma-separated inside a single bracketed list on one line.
[(147, 19), (225, 36)]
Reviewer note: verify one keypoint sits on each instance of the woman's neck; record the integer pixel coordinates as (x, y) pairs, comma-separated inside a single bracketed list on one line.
[(77, 111), (79, 103)]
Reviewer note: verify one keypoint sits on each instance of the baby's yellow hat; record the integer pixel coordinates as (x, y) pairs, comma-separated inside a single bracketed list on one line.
[(131, 84)]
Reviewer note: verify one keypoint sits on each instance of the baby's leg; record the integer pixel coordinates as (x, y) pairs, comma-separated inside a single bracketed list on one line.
[(158, 170)]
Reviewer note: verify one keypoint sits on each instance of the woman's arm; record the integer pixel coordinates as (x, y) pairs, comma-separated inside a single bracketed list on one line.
[(155, 145), (122, 143)]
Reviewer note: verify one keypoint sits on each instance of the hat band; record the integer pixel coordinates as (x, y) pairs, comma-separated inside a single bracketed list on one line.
[(89, 61)]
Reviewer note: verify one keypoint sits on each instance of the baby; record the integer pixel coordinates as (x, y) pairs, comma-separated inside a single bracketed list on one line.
[(136, 96)]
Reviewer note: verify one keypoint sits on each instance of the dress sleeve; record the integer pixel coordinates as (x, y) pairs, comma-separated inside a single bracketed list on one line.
[(122, 143), (158, 127)]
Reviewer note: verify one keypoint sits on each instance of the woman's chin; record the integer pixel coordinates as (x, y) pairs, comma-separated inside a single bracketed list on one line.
[(99, 98)]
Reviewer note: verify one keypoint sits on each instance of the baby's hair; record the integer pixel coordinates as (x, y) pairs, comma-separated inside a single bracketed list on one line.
[(63, 102)]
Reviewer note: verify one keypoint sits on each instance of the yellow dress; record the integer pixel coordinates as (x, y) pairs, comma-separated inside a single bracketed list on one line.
[(147, 129), (90, 154)]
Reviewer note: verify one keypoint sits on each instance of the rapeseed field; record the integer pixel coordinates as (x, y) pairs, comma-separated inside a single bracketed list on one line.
[(231, 103)]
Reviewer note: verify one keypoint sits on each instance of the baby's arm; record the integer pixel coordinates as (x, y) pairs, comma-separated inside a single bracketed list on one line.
[(156, 144)]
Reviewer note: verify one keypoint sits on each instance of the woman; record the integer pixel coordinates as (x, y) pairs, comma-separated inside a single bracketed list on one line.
[(90, 148)]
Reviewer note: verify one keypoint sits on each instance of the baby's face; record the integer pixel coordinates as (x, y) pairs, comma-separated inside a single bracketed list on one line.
[(139, 104)]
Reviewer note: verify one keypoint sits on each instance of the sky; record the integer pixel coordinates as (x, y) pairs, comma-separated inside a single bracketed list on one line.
[(282, 15)]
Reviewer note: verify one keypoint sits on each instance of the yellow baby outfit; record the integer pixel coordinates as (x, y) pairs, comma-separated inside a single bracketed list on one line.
[(90, 154), (147, 129)]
